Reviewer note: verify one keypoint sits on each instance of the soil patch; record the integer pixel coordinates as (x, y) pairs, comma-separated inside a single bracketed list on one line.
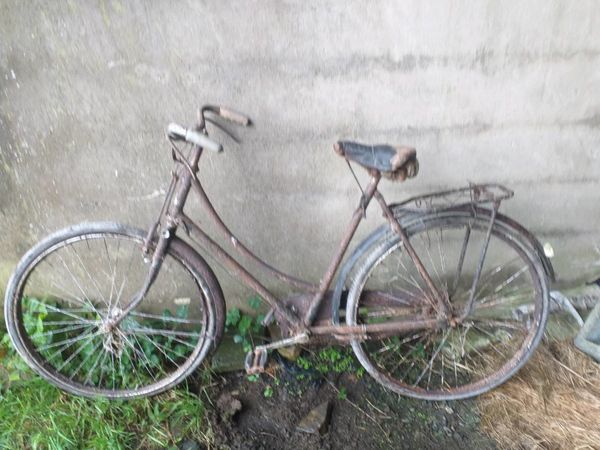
[(364, 415)]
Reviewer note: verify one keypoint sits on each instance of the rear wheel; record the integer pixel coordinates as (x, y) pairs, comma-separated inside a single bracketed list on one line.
[(66, 288), (461, 359)]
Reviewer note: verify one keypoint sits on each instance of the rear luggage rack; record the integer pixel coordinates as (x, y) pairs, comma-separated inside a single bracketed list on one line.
[(474, 194)]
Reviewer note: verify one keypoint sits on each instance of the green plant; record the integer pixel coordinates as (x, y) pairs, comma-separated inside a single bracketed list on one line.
[(41, 322), (268, 392), (35, 414), (243, 325), (331, 360)]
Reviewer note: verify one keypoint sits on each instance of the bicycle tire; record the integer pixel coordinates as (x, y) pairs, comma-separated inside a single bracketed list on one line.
[(147, 341), (429, 350)]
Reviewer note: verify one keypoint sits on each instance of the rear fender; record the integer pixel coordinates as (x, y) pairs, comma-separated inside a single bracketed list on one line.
[(406, 217)]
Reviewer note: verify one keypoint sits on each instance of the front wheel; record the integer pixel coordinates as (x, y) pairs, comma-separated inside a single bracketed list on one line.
[(465, 357), (67, 287)]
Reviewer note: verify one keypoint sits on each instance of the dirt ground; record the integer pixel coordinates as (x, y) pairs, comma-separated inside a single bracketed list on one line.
[(364, 415)]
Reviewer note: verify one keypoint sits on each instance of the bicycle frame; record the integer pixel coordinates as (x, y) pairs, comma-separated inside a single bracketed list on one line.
[(184, 179)]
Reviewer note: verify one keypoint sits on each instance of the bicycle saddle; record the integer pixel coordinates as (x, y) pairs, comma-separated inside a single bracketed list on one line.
[(395, 163)]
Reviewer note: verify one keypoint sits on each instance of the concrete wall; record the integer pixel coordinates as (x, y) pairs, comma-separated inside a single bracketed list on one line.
[(485, 90)]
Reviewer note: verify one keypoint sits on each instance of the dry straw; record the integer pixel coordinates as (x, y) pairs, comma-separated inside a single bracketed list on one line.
[(552, 403)]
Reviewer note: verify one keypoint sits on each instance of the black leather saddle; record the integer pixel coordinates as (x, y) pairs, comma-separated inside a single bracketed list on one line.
[(395, 163)]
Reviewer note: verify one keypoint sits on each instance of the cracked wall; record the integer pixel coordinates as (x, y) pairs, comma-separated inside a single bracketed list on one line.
[(486, 92)]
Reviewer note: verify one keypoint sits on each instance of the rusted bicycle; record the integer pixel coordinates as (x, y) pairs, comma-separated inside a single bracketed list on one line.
[(447, 299)]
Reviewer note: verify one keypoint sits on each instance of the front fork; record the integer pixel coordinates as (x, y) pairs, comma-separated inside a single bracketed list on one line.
[(117, 316), (172, 207)]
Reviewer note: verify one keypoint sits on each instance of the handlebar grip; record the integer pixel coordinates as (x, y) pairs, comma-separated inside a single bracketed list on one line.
[(234, 116), (178, 132)]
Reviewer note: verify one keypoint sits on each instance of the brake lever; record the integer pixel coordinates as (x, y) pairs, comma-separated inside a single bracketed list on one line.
[(223, 128)]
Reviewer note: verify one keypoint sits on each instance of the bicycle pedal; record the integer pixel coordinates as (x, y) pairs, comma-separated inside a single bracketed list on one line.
[(255, 361)]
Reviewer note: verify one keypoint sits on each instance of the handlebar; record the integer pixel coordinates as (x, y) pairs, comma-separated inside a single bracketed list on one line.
[(228, 114), (177, 132), (200, 138)]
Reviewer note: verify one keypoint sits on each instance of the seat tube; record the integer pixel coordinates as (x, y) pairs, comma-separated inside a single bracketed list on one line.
[(337, 259)]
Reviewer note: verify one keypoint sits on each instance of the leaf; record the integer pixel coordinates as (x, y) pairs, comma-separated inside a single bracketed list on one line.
[(257, 327), (182, 311), (238, 339), (233, 317), (244, 324), (254, 302), (14, 376), (179, 351), (154, 361), (268, 392)]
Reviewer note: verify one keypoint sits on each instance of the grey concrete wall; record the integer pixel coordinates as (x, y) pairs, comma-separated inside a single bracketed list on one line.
[(486, 90)]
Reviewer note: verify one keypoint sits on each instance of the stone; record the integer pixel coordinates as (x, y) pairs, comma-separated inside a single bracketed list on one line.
[(317, 420), (228, 406), (190, 444), (290, 353), (229, 356)]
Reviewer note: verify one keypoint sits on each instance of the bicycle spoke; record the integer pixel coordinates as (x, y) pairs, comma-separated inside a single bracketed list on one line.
[(70, 296), (161, 332), (126, 275), (113, 271), (88, 378), (143, 358), (69, 313), (63, 330), (92, 279), (461, 259), (84, 361), (74, 354), (489, 275), (77, 284), (166, 318), (161, 348), (66, 341)]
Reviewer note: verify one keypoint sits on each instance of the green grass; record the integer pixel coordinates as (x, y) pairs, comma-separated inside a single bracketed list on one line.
[(331, 360), (34, 414)]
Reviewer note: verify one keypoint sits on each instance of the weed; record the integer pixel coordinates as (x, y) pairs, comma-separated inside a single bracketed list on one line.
[(331, 360), (244, 325), (342, 394), (268, 392)]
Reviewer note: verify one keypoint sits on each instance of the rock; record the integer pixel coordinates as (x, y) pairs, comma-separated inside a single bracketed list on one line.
[(317, 420), (190, 444), (229, 357), (290, 353), (228, 406)]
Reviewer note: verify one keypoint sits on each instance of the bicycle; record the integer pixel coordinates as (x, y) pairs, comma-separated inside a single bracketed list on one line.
[(446, 300)]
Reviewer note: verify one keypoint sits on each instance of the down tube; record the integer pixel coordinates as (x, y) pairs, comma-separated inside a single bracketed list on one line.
[(236, 270)]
